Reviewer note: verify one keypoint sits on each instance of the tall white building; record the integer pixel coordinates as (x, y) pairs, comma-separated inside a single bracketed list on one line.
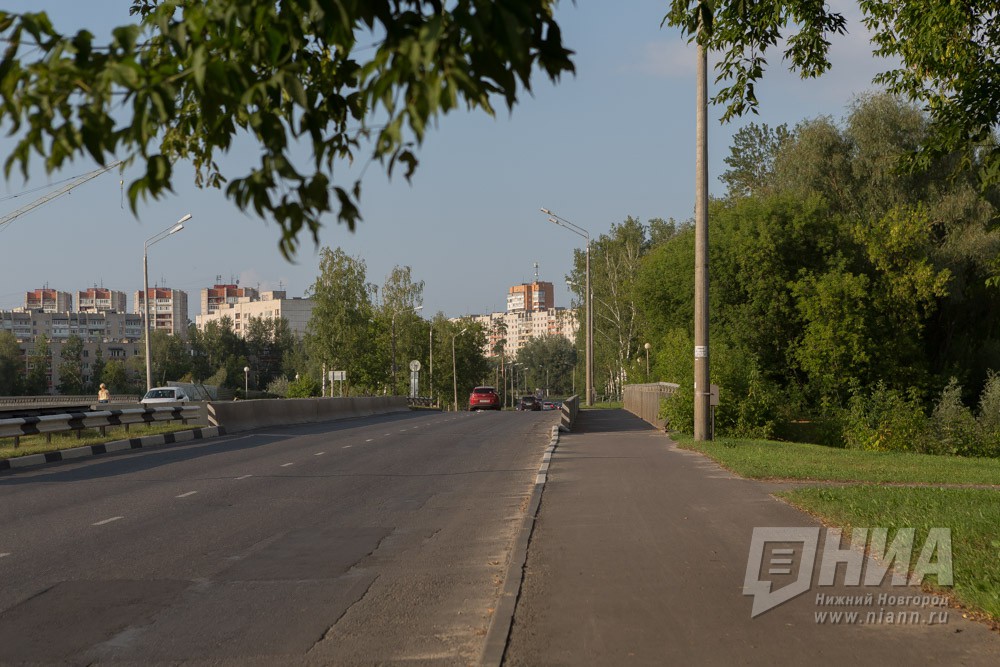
[(531, 313), (168, 310), (270, 305)]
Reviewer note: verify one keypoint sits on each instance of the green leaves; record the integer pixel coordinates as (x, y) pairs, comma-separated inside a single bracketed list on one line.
[(189, 77)]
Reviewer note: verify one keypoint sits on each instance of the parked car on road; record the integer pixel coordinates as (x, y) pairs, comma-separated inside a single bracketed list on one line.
[(165, 395), (529, 403), (484, 398)]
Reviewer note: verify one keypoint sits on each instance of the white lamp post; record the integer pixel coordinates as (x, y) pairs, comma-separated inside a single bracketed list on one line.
[(246, 380), (647, 346), (156, 238), (589, 353)]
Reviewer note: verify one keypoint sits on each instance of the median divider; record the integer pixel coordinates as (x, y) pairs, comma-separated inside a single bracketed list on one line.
[(236, 416), (76, 421)]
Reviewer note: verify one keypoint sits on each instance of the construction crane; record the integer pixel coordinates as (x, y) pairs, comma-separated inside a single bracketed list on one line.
[(74, 182)]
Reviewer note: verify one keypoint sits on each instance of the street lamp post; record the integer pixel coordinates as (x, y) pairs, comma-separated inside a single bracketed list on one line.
[(156, 238), (647, 346), (454, 366), (430, 354), (702, 389), (246, 381), (588, 299)]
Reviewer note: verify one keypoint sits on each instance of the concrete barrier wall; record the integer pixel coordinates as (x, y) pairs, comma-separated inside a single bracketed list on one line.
[(568, 411), (237, 416), (643, 400)]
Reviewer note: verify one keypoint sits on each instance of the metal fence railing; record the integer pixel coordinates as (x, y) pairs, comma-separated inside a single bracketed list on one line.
[(77, 421), (643, 400), (59, 399)]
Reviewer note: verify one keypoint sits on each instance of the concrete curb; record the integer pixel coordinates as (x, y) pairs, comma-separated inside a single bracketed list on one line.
[(503, 617), (108, 447)]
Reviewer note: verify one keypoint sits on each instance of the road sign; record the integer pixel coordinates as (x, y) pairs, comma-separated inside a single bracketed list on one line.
[(338, 375), (414, 365)]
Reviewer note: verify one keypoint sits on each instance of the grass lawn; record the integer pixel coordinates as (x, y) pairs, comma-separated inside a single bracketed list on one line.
[(36, 444), (973, 515), (767, 459)]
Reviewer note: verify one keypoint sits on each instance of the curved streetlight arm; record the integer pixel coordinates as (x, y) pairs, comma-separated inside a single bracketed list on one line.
[(156, 238), (563, 222)]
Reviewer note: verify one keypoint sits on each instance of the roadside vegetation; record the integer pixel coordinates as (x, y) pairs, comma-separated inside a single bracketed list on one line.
[(972, 515), (37, 444)]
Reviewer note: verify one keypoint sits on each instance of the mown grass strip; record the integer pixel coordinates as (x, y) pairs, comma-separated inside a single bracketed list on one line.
[(768, 459), (973, 515), (36, 444)]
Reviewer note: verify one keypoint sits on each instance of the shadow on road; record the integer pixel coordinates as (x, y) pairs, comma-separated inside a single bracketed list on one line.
[(609, 421)]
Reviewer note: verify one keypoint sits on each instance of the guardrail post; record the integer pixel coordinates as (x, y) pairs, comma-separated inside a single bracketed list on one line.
[(17, 441)]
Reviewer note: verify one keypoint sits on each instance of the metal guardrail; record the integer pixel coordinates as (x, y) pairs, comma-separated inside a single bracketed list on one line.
[(77, 421), (643, 400), (59, 399)]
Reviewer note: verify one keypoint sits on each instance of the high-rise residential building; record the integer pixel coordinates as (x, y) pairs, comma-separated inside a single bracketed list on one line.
[(219, 295), (48, 301), (537, 295), (531, 313), (168, 310), (101, 300), (270, 305)]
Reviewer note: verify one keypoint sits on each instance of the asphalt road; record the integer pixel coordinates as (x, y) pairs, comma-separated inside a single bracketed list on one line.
[(368, 541)]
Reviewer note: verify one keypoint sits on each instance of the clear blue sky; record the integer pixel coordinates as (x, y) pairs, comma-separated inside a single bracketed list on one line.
[(615, 140)]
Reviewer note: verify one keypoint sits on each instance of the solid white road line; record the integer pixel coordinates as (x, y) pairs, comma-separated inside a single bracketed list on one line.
[(185, 495), (285, 465), (244, 477), (101, 523)]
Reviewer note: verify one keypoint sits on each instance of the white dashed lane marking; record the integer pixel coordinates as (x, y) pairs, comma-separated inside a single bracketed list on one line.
[(244, 477), (101, 523), (319, 453), (189, 493), (285, 465), (347, 446), (4, 554), (368, 440)]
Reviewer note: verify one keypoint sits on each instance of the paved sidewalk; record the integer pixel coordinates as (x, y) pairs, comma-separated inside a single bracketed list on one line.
[(639, 556)]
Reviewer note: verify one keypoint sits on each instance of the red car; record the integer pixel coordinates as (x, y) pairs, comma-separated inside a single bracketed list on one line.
[(484, 398)]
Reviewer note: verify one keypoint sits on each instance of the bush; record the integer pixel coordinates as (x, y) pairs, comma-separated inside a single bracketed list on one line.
[(278, 387), (304, 387), (988, 419), (885, 420), (678, 409), (953, 428)]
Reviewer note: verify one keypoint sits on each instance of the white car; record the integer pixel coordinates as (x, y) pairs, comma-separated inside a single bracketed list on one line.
[(165, 395)]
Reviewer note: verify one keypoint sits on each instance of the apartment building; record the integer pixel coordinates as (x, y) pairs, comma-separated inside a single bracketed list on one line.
[(531, 313), (101, 300), (270, 305), (168, 310), (221, 295), (48, 301)]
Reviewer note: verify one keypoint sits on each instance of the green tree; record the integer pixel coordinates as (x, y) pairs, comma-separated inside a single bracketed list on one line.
[(751, 159), (338, 336), (11, 365), (614, 262), (946, 54), (550, 361), (189, 77), (171, 357), (39, 363), (71, 366), (96, 369), (116, 377), (405, 330)]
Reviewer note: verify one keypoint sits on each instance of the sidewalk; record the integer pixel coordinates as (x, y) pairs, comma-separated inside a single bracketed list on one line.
[(639, 556)]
